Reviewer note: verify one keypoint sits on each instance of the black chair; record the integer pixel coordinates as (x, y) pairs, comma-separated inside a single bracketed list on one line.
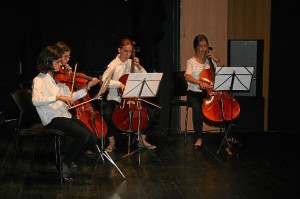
[(26, 85), (29, 125), (178, 90)]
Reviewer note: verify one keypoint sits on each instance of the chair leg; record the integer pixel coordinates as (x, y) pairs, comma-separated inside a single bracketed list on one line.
[(186, 120), (170, 119), (58, 157), (15, 157), (17, 148), (33, 153), (56, 150)]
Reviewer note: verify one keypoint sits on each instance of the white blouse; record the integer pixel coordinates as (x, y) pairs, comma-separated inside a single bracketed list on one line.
[(44, 92), (194, 68), (115, 70)]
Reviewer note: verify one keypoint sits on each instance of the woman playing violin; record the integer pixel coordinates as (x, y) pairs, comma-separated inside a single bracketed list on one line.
[(52, 100), (119, 66), (65, 53), (195, 95)]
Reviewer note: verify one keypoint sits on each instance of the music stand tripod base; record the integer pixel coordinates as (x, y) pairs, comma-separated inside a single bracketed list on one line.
[(225, 139), (101, 151), (138, 86), (232, 79), (105, 154)]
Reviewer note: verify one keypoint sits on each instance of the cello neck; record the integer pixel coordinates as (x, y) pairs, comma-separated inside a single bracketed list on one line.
[(132, 58), (212, 67)]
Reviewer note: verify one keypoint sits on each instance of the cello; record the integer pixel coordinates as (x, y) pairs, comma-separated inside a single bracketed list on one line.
[(130, 115), (218, 106), (84, 110)]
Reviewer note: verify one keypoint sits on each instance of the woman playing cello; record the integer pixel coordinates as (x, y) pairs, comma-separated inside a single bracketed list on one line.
[(216, 107), (116, 69), (196, 88)]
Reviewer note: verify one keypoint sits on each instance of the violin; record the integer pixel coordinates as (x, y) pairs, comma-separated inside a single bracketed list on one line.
[(67, 76), (84, 110)]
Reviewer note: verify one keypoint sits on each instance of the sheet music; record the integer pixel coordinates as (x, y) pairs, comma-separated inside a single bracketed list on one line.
[(142, 85)]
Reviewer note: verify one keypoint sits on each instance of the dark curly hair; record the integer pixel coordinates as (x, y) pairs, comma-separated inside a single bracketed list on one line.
[(46, 58)]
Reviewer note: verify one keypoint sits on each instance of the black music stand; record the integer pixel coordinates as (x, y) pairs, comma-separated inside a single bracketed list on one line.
[(102, 152), (232, 79), (138, 86)]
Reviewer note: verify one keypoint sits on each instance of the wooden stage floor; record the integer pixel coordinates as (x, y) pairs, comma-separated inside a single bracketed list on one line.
[(264, 165)]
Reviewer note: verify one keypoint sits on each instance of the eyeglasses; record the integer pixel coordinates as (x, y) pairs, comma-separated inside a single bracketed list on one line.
[(67, 57), (57, 61)]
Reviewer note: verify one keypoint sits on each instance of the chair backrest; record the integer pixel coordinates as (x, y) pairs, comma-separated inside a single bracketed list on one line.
[(26, 85), (179, 84), (2, 118), (28, 113)]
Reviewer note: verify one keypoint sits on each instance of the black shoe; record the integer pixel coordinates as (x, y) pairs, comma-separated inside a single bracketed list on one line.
[(89, 153), (66, 170), (68, 179), (74, 165)]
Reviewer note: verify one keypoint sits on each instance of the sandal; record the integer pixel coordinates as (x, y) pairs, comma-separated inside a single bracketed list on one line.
[(143, 145), (110, 148), (233, 140), (198, 144), (229, 152)]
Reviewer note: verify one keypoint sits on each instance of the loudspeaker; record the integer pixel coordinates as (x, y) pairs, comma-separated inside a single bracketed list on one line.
[(251, 117), (247, 53)]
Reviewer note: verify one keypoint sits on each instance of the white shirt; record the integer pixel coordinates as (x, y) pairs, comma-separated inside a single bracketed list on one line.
[(115, 70), (194, 68), (44, 92)]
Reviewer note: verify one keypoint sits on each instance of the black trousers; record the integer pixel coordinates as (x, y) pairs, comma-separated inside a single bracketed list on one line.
[(195, 100), (83, 138)]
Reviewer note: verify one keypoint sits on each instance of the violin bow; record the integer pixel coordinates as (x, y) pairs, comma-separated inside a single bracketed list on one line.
[(73, 81), (82, 103), (97, 96)]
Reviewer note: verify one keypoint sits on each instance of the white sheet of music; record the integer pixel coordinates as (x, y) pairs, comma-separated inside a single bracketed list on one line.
[(142, 85)]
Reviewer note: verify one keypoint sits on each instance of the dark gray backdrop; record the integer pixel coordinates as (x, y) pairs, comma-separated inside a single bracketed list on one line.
[(93, 29)]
